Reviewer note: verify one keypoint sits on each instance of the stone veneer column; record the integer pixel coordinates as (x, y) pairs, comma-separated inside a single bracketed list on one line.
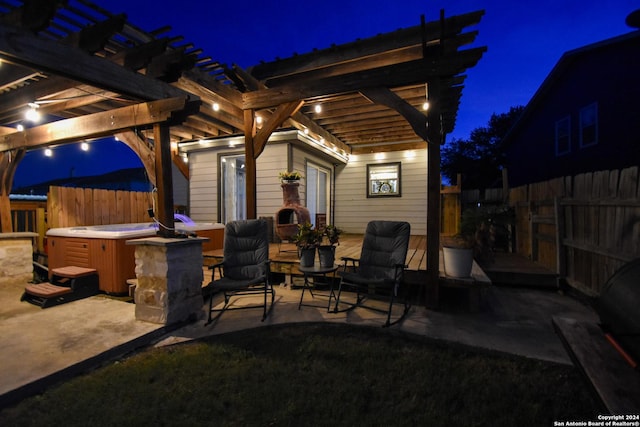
[(16, 257), (169, 273)]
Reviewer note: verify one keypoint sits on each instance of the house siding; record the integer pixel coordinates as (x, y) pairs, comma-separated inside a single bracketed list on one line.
[(353, 210)]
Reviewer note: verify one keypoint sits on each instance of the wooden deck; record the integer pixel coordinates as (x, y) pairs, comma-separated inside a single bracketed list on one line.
[(350, 246), (284, 258)]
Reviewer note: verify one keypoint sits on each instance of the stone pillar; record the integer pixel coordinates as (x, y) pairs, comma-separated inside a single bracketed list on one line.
[(169, 273), (16, 257)]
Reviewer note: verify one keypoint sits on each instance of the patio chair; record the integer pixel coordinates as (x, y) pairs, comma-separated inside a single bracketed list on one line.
[(245, 267), (380, 268)]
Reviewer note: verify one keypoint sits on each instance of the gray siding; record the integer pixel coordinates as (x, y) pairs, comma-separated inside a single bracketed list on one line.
[(353, 209)]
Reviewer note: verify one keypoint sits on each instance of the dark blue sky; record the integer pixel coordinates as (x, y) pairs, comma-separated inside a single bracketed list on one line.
[(524, 40)]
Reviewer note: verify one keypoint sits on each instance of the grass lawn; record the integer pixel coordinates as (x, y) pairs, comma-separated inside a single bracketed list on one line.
[(314, 374)]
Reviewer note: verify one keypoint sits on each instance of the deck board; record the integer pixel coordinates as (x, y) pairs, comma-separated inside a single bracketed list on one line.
[(350, 246)]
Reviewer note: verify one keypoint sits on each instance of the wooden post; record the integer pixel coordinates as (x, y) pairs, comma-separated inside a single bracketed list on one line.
[(561, 267), (164, 179), (250, 163), (8, 164), (431, 299)]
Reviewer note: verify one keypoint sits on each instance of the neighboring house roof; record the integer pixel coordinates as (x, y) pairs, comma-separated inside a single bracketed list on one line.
[(561, 67)]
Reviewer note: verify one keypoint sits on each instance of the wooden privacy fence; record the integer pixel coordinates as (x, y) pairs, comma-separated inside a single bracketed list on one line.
[(70, 207), (30, 216), (584, 227)]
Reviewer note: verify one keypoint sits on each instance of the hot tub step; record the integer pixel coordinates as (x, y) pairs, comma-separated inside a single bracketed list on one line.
[(67, 284)]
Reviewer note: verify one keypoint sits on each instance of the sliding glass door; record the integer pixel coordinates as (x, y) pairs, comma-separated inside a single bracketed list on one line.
[(233, 201), (318, 194)]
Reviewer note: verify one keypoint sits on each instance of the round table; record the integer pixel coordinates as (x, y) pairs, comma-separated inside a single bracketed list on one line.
[(313, 271)]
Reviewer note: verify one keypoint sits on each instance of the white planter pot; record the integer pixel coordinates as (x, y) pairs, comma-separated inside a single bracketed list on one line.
[(457, 261)]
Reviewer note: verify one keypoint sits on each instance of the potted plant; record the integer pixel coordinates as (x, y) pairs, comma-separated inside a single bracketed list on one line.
[(458, 250), (290, 176), (307, 240), (327, 247)]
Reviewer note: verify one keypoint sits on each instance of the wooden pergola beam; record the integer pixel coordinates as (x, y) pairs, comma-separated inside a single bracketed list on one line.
[(24, 48), (395, 75), (384, 96), (98, 124), (372, 46), (282, 113)]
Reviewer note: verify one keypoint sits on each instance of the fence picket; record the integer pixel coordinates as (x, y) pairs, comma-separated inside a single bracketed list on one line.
[(599, 229)]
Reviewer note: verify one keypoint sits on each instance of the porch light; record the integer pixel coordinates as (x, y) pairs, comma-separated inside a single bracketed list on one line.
[(216, 106), (48, 152), (84, 146), (32, 113)]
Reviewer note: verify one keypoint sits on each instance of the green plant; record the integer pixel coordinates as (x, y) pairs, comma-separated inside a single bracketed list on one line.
[(307, 237), (331, 234), (290, 176)]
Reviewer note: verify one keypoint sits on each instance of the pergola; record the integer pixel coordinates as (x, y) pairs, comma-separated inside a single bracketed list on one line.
[(91, 74)]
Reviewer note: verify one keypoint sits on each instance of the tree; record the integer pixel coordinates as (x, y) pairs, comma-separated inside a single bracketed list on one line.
[(479, 158)]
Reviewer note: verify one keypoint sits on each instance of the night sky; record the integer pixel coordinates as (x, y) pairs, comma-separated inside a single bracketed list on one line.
[(524, 43)]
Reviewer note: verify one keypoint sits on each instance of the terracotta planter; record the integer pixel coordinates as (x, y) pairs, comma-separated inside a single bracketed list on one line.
[(457, 261)]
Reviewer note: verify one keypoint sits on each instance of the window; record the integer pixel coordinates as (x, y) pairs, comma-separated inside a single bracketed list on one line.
[(563, 136), (383, 180), (589, 125)]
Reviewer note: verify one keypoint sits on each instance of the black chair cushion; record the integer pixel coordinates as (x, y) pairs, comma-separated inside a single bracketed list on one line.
[(246, 249)]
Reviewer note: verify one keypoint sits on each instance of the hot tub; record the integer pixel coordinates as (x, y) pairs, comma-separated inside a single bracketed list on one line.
[(104, 248)]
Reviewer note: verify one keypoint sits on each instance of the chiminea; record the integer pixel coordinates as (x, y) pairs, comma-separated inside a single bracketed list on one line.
[(292, 213)]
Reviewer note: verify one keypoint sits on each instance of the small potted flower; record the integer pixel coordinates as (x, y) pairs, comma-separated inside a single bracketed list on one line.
[(290, 176), (327, 247)]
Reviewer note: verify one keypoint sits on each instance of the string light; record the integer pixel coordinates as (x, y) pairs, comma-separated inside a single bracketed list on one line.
[(216, 106), (84, 146), (318, 108), (425, 106), (32, 113), (48, 152)]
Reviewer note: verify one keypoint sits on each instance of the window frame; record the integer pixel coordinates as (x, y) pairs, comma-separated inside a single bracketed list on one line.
[(376, 186), (583, 112)]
